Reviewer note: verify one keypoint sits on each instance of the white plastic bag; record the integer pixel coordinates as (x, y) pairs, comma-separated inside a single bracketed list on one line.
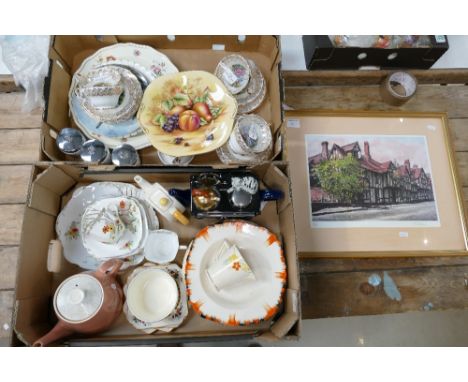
[(26, 58)]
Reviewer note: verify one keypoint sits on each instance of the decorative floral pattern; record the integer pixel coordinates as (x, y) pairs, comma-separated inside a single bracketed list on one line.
[(108, 228), (73, 232), (236, 266), (128, 245)]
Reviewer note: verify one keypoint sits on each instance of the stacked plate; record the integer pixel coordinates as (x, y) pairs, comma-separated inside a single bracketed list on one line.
[(106, 92), (156, 298), (114, 228), (244, 79), (105, 220), (251, 141)]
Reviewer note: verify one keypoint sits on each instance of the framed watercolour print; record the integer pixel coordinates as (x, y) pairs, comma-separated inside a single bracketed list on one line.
[(374, 184)]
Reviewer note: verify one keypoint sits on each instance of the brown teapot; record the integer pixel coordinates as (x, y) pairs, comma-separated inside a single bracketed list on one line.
[(86, 303)]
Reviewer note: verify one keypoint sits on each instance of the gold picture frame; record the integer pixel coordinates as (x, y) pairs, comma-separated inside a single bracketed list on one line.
[(405, 220)]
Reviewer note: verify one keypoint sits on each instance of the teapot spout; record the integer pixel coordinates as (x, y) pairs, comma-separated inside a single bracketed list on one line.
[(58, 331)]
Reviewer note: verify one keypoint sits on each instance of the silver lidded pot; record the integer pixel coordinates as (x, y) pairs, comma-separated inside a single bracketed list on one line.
[(125, 155), (70, 141), (94, 151)]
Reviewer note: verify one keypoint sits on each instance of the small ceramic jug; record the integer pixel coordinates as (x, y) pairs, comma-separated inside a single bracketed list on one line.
[(86, 303)]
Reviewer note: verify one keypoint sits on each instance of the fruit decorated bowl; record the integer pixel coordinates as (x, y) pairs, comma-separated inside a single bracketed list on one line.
[(187, 113)]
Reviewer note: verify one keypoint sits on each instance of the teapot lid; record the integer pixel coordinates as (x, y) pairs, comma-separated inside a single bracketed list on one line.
[(78, 298)]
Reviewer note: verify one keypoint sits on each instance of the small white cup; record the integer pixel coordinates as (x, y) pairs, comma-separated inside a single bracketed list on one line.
[(162, 246), (229, 269)]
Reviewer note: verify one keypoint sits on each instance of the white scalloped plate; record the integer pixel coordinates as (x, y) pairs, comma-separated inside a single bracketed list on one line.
[(251, 302), (141, 58), (68, 224)]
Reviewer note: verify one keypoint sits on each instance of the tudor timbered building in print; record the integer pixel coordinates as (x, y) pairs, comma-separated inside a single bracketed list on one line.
[(384, 182)]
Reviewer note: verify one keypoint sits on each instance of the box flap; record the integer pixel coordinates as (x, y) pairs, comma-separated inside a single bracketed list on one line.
[(57, 109), (47, 189)]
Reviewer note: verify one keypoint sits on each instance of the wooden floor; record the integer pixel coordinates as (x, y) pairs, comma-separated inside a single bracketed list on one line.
[(330, 288), (19, 148), (335, 288)]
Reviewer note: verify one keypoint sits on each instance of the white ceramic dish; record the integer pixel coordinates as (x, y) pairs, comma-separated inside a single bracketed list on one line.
[(254, 300), (152, 295), (234, 72), (161, 246), (254, 94), (176, 317), (123, 110), (68, 224), (142, 59), (133, 236)]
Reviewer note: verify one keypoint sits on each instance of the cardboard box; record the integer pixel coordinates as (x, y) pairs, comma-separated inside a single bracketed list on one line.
[(50, 190), (186, 52), (320, 53)]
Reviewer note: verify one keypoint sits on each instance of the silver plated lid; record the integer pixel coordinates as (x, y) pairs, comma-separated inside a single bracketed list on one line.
[(125, 155), (78, 298), (94, 151), (70, 140)]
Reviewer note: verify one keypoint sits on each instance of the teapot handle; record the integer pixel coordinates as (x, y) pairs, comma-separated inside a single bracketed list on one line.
[(110, 267)]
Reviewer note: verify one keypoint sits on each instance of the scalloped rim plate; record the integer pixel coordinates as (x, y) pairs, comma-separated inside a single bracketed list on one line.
[(142, 58), (68, 224), (251, 302), (185, 143)]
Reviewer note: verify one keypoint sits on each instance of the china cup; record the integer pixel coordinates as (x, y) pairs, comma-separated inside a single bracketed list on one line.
[(229, 268)]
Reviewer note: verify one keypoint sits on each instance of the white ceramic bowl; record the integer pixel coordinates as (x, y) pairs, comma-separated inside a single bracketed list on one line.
[(152, 295), (161, 246)]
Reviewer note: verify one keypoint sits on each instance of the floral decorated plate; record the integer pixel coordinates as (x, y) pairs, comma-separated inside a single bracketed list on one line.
[(253, 95), (254, 300), (68, 224), (187, 113), (176, 317), (234, 70), (140, 59), (103, 217)]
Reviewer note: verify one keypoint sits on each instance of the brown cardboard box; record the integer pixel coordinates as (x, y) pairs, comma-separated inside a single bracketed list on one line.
[(186, 52), (51, 188)]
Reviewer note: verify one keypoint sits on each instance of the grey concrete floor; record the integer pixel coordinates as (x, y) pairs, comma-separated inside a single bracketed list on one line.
[(447, 328)]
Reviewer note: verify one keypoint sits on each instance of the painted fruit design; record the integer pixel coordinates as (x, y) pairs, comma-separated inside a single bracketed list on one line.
[(181, 112)]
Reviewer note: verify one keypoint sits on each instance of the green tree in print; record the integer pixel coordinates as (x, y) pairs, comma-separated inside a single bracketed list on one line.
[(341, 178)]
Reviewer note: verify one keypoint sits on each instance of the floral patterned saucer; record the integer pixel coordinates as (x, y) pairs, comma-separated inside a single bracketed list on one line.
[(179, 313), (234, 70), (68, 224), (187, 113), (141, 59), (254, 300), (253, 95)]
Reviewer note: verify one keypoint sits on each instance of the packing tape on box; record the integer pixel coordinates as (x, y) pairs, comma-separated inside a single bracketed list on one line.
[(398, 88)]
